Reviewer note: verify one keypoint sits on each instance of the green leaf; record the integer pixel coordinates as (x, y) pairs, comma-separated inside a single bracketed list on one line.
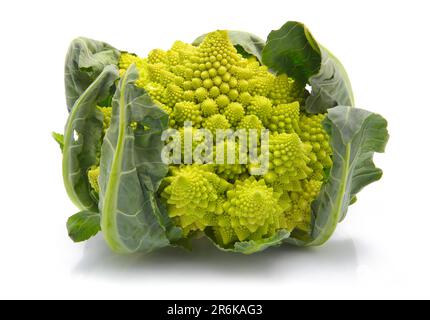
[(82, 138), (293, 50), (243, 41), (330, 86), (85, 61), (131, 171), (59, 138), (355, 135), (254, 246), (83, 225)]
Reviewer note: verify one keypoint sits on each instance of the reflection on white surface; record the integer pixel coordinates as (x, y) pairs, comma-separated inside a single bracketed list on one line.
[(338, 257)]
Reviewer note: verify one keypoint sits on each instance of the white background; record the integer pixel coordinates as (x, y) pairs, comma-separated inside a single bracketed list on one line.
[(382, 248)]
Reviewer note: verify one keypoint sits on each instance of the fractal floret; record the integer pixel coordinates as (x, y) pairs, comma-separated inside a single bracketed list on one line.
[(193, 197), (249, 143), (251, 212)]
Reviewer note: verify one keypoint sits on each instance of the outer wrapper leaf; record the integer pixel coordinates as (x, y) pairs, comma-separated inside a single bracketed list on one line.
[(85, 60), (330, 86), (131, 170), (254, 246), (82, 137), (244, 42), (355, 135), (293, 50), (83, 225)]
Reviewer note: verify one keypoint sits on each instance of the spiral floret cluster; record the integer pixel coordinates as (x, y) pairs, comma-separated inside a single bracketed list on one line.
[(215, 87)]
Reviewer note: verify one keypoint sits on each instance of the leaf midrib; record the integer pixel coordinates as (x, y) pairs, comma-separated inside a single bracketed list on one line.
[(332, 222), (109, 222)]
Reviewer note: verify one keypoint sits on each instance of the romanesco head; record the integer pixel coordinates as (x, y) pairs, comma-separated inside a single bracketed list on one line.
[(215, 87)]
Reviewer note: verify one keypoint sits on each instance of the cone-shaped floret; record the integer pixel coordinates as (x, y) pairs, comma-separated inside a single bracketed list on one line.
[(261, 107), (285, 118), (251, 211), (313, 133), (288, 160), (187, 111), (234, 112), (192, 192), (215, 122)]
